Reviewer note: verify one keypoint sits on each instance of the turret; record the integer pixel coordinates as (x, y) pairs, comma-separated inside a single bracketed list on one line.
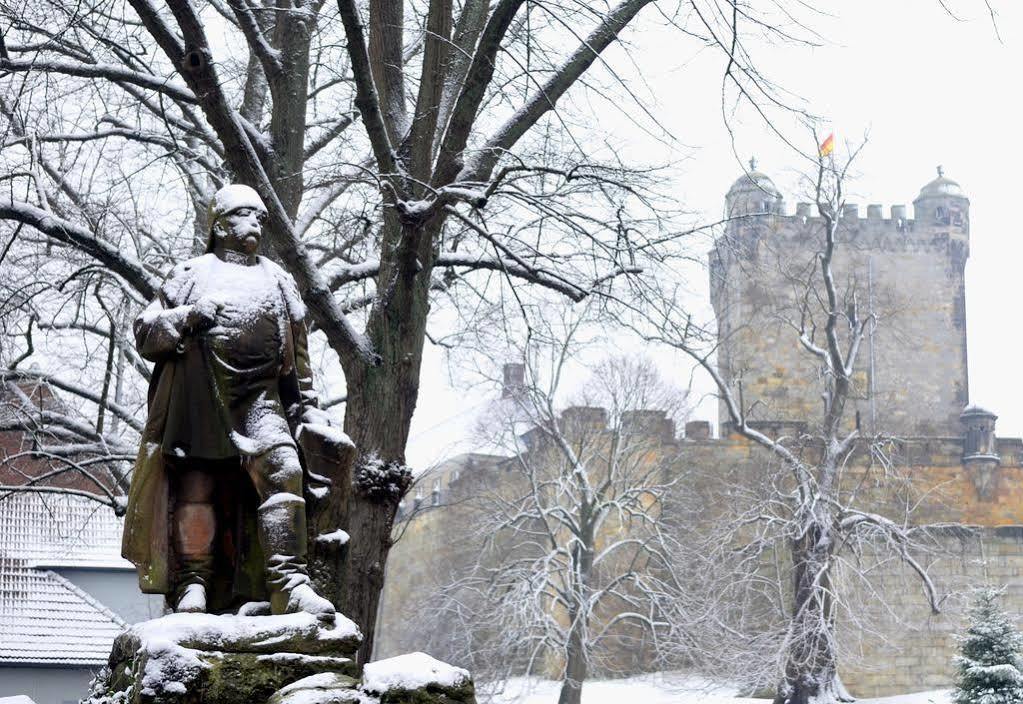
[(752, 194), (980, 449), (942, 204)]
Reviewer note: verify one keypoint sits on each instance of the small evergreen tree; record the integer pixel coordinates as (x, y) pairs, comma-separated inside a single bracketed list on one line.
[(989, 669)]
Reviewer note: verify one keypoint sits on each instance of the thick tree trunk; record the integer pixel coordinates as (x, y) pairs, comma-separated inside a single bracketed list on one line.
[(381, 401), (377, 418), (809, 688), (576, 654), (290, 90), (575, 669), (811, 670)]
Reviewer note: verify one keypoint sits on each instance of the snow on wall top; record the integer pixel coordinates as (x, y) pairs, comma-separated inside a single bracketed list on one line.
[(43, 617)]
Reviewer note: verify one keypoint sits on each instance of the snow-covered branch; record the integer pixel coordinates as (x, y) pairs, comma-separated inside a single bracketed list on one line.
[(110, 72)]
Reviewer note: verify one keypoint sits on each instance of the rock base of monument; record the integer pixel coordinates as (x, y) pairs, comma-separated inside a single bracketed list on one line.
[(291, 659)]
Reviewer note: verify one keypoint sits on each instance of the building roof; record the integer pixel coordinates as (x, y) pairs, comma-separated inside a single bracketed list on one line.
[(46, 529), (753, 193), (754, 182), (44, 618), (973, 410)]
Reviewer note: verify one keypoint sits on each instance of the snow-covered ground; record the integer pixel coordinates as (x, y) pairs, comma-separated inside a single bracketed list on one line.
[(664, 688)]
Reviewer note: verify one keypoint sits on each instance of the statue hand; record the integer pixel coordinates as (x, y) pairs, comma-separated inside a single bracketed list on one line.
[(203, 314)]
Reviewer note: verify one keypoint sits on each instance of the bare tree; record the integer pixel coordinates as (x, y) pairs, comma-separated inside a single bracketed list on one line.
[(574, 575), (389, 143), (802, 515)]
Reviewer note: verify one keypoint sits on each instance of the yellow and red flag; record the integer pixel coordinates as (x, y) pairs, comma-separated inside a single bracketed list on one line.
[(828, 145)]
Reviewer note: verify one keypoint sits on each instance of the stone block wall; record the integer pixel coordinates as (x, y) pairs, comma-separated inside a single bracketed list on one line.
[(910, 277), (891, 642), (901, 646), (435, 543)]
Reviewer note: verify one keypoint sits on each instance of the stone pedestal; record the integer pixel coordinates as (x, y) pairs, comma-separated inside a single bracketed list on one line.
[(202, 659), (206, 659), (415, 678)]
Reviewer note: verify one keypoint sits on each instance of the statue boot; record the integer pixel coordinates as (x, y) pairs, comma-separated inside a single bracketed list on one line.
[(282, 534), (194, 530)]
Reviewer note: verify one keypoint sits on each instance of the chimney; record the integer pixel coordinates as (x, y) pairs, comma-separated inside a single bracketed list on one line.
[(514, 380)]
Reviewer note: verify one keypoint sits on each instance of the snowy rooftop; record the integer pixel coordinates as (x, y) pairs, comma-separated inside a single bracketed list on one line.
[(43, 617), (59, 530)]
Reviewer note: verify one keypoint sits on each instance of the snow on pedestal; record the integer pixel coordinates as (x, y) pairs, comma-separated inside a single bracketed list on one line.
[(417, 678), (411, 671), (325, 688), (201, 658), (289, 659)]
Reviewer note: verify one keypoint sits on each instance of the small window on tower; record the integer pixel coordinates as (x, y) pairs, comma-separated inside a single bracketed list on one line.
[(941, 216)]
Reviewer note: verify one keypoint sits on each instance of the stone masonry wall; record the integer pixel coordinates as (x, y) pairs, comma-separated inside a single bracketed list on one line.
[(910, 277), (901, 646), (891, 642)]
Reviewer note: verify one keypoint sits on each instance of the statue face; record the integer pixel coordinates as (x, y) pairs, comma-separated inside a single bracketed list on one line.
[(240, 230)]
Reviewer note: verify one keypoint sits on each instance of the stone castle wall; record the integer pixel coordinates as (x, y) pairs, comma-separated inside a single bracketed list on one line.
[(910, 277), (435, 544), (900, 646), (891, 642), (911, 382)]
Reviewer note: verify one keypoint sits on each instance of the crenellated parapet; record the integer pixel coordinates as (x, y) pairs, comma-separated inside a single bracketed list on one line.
[(909, 272)]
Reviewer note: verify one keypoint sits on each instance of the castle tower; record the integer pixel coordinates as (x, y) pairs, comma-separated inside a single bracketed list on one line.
[(911, 376)]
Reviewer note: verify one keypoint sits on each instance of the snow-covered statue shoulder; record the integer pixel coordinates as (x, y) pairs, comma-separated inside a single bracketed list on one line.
[(216, 515)]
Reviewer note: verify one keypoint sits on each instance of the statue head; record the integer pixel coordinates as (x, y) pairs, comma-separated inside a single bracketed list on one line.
[(236, 215)]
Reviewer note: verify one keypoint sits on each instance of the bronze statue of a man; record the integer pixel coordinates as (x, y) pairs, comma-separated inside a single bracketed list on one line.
[(216, 514)]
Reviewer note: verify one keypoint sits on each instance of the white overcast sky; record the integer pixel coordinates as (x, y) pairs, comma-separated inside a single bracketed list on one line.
[(926, 88)]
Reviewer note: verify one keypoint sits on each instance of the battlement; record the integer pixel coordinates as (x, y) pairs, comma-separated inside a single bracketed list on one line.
[(802, 231), (940, 206), (909, 273), (851, 216), (851, 212)]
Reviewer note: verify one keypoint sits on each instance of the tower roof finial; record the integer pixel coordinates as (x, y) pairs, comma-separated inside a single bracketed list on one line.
[(752, 163), (941, 170)]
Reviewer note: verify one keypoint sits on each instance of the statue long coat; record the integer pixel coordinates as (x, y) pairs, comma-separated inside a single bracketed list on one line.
[(186, 395)]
